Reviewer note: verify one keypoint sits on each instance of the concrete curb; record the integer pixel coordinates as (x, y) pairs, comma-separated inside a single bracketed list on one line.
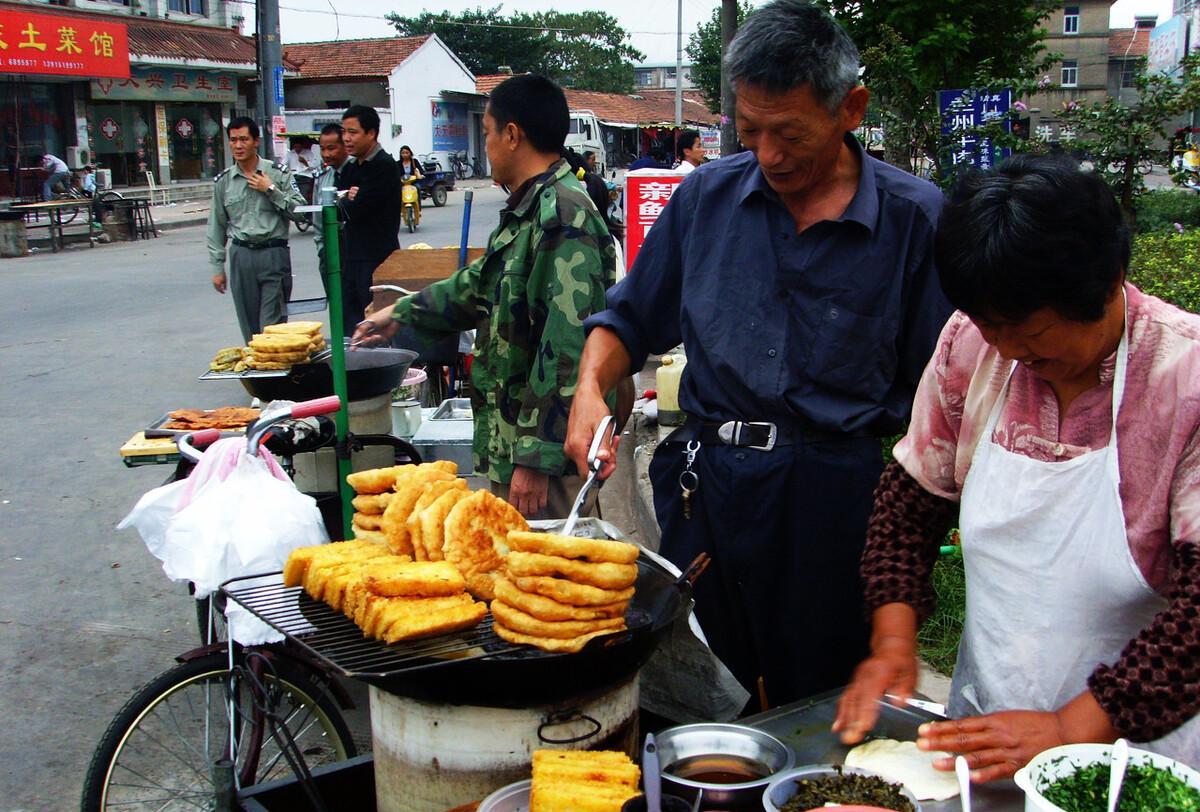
[(171, 225)]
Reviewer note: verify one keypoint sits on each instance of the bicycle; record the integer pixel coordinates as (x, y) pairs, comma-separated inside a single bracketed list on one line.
[(70, 192), (227, 716), (462, 170)]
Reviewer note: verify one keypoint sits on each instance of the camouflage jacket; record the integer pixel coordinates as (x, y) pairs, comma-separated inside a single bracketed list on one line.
[(546, 269)]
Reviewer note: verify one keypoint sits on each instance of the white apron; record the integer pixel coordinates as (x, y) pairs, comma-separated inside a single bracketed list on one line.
[(1052, 587)]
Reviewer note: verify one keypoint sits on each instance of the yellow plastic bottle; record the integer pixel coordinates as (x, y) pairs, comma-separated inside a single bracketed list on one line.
[(667, 383)]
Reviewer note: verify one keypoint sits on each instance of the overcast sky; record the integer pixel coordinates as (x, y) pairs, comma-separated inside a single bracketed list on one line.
[(651, 23)]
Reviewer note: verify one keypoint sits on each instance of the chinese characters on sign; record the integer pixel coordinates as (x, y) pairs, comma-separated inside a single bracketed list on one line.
[(449, 126), (646, 194), (62, 46), (168, 84), (963, 112)]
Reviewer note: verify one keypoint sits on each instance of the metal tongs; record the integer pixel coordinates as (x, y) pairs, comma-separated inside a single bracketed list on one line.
[(355, 344), (605, 430)]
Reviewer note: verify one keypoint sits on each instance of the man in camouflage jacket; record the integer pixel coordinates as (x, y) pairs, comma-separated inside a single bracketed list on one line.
[(546, 269)]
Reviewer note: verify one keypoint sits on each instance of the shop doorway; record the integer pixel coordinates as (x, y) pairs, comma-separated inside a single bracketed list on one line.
[(33, 121), (123, 140), (197, 150)]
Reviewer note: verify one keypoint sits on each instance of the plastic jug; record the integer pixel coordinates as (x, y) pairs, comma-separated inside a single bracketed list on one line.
[(667, 383)]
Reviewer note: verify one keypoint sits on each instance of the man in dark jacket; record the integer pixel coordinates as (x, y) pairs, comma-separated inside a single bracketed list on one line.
[(371, 207)]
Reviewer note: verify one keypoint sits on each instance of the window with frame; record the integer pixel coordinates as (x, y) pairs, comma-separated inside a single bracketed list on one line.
[(187, 6), (1071, 20), (1070, 73), (114, 2), (645, 78), (1129, 72)]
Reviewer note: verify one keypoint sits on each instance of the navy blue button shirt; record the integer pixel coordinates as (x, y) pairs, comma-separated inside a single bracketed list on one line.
[(830, 327)]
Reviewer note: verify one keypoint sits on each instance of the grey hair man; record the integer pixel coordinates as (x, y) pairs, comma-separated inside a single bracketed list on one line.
[(799, 277)]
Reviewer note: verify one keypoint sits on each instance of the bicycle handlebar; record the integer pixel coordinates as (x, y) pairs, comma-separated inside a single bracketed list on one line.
[(312, 408), (189, 443)]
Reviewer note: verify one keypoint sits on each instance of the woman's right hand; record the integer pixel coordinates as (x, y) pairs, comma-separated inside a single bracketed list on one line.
[(891, 669)]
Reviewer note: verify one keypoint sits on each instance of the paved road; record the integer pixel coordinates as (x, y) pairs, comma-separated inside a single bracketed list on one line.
[(95, 343)]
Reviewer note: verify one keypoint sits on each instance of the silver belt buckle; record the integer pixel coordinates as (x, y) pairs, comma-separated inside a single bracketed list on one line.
[(731, 434)]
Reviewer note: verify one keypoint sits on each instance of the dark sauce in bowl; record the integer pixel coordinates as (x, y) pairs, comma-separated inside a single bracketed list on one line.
[(719, 769)]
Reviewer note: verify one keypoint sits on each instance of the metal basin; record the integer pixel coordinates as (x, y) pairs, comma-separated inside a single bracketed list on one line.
[(708, 748)]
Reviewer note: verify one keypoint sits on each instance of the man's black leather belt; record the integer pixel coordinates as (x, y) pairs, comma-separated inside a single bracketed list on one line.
[(760, 435), (255, 246)]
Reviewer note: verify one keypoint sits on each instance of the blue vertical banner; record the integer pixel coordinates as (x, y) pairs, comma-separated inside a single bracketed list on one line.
[(962, 113), (449, 126), (279, 84)]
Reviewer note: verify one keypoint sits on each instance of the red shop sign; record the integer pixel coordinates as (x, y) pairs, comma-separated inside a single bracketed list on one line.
[(59, 45), (646, 194)]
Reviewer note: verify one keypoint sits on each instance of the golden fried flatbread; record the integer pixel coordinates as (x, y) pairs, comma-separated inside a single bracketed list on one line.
[(433, 523), (309, 327), (427, 579), (373, 504), (594, 550), (476, 531), (409, 485), (565, 591), (569, 645), (366, 521), (604, 575), (525, 623), (375, 480), (254, 363), (279, 353), (375, 537), (430, 492), (449, 466), (280, 340), (544, 608)]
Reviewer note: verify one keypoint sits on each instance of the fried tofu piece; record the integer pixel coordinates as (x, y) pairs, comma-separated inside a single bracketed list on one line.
[(605, 575), (424, 579), (588, 781), (595, 550), (382, 612), (301, 558), (413, 624), (433, 523), (476, 535), (429, 493)]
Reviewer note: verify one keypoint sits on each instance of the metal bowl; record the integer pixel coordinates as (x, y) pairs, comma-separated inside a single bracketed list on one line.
[(783, 786), (712, 739), (512, 798)]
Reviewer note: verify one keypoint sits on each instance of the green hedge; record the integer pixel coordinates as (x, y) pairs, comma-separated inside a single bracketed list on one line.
[(1160, 210), (1167, 265)]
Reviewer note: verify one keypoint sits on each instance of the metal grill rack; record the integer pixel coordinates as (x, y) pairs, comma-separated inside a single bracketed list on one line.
[(336, 640)]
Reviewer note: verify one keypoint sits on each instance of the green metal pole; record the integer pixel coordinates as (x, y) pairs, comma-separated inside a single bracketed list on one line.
[(333, 284)]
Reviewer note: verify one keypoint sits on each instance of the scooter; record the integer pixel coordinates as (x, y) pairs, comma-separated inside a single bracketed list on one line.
[(410, 198)]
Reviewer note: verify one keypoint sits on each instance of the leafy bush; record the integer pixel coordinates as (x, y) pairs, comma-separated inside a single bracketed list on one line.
[(937, 640), (1160, 210), (1168, 266)]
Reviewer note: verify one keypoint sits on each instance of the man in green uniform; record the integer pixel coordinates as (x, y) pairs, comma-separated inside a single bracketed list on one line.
[(252, 205), (546, 269)]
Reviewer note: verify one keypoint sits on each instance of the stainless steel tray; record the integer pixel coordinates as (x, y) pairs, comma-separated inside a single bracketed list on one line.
[(454, 409), (249, 373), (804, 726)]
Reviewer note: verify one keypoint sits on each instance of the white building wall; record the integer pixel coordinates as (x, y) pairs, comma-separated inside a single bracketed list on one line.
[(413, 85)]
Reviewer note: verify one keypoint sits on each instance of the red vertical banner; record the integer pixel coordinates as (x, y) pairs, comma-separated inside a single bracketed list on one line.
[(646, 194), (61, 45)]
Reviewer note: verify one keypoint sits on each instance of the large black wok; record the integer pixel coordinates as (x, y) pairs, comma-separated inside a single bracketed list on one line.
[(370, 371)]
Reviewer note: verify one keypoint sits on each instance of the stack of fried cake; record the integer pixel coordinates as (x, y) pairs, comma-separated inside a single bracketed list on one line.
[(588, 781), (280, 346), (559, 592), (389, 597)]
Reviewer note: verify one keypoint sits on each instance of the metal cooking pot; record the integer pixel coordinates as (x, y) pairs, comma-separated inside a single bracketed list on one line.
[(370, 371), (687, 742)]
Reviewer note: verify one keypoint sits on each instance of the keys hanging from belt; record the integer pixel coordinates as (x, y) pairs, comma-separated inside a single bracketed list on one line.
[(689, 480)]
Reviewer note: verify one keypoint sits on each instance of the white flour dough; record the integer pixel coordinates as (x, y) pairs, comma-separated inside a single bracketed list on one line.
[(904, 763)]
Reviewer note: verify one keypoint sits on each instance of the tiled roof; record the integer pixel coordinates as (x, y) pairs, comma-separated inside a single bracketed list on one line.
[(351, 58), (646, 107), (1119, 40), (150, 38)]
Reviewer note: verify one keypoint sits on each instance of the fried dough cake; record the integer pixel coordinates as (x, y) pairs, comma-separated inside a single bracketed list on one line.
[(374, 480), (597, 551), (523, 623), (310, 328), (373, 504), (367, 521), (375, 537), (605, 575), (565, 591), (476, 532), (587, 781), (427, 579), (429, 492), (543, 608), (566, 645), (433, 523), (408, 487)]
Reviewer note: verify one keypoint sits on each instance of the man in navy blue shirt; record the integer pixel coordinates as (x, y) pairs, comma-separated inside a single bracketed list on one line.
[(799, 277)]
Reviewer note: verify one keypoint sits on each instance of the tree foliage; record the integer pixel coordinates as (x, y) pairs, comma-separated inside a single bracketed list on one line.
[(588, 50), (704, 51), (911, 49), (1123, 141)]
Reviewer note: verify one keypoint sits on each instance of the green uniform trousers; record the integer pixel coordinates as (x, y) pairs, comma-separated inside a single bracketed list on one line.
[(260, 280)]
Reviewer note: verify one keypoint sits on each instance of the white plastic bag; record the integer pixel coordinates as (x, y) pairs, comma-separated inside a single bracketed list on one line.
[(237, 515)]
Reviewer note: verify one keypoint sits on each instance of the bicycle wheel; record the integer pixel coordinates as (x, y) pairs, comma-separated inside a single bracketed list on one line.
[(158, 752)]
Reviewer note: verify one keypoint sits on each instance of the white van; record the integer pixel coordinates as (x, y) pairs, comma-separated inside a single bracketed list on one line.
[(584, 136)]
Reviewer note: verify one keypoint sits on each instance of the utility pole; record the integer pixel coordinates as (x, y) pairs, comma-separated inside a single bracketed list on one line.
[(678, 69), (270, 71), (729, 22)]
